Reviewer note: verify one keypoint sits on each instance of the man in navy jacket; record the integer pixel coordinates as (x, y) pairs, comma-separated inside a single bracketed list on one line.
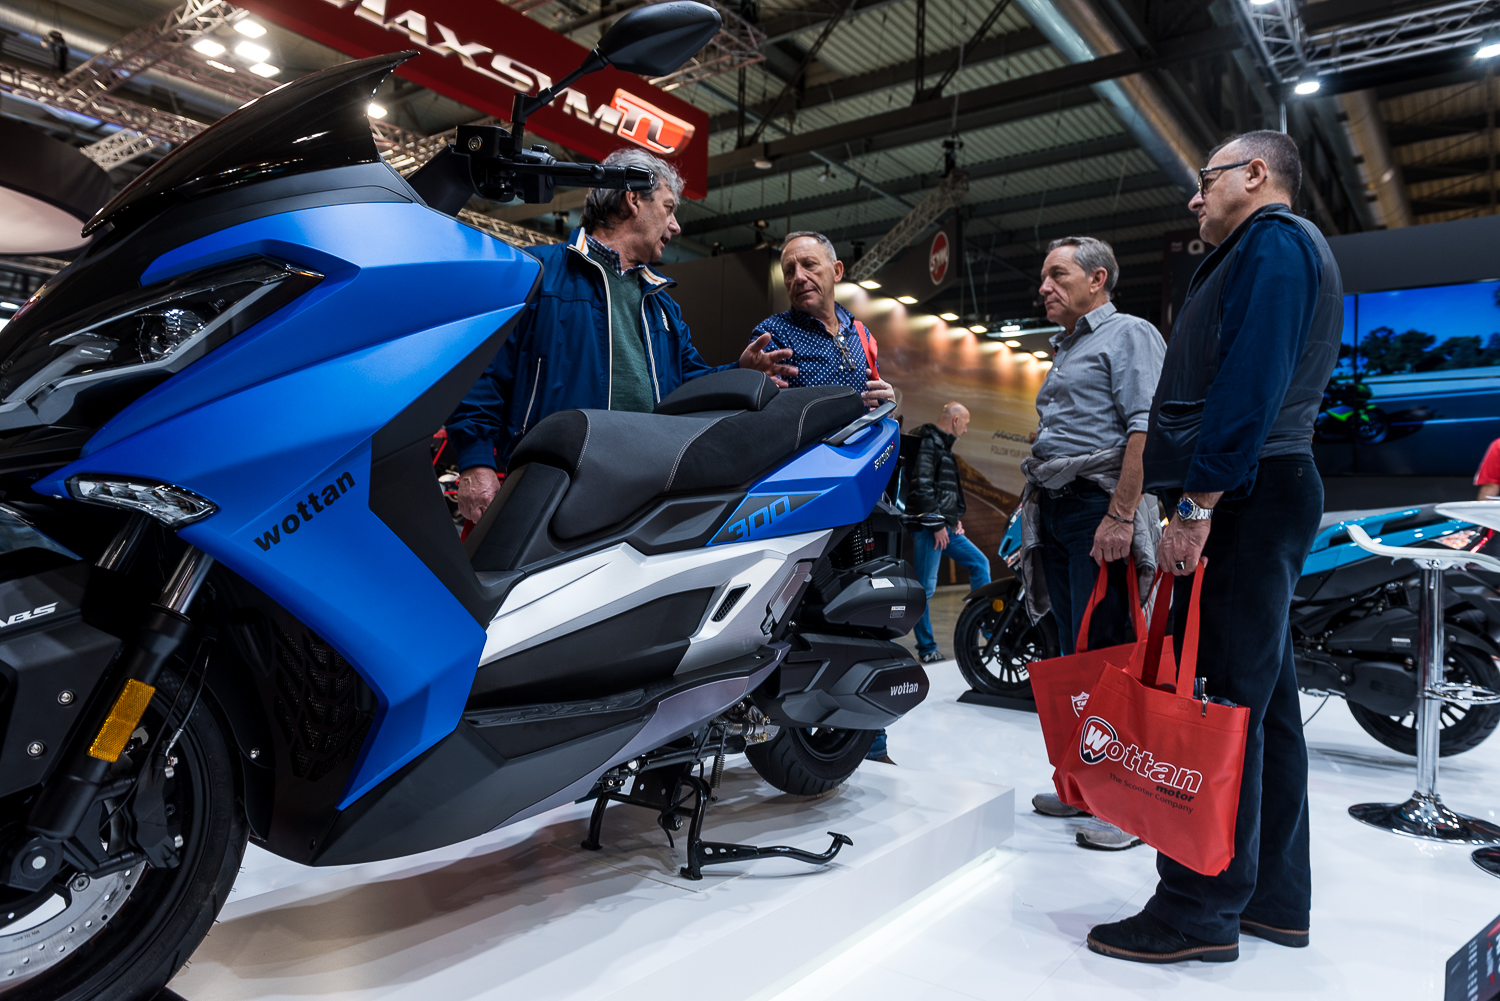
[(604, 334)]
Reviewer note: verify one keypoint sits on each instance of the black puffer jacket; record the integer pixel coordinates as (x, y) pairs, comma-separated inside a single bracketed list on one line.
[(936, 497)]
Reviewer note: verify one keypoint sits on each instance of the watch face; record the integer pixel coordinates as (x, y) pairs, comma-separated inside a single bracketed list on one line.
[(1185, 508)]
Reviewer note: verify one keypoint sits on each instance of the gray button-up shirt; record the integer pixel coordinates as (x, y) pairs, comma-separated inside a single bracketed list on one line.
[(1099, 389)]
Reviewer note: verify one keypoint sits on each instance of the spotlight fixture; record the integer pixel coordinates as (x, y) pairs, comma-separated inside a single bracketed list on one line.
[(950, 317), (907, 300), (1307, 87), (208, 47), (763, 164), (250, 29), (1010, 328), (870, 284), (1012, 344), (375, 110), (979, 328), (1488, 51), (1038, 354), (265, 69), (222, 67), (1261, 3), (251, 51), (10, 305)]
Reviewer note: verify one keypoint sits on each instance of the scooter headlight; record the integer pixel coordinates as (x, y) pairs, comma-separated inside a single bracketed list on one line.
[(150, 333), (172, 506)]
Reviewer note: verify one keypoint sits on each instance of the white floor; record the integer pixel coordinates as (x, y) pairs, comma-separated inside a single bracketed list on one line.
[(1387, 911)]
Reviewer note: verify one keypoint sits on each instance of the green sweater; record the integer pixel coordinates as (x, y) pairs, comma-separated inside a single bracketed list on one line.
[(630, 370)]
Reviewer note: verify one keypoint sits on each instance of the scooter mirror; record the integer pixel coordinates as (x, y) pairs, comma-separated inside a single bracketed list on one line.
[(653, 41)]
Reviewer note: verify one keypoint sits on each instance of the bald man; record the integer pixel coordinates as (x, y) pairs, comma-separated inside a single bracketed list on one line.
[(937, 500)]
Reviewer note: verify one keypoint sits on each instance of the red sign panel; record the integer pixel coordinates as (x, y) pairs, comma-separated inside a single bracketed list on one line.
[(482, 52), (937, 258)]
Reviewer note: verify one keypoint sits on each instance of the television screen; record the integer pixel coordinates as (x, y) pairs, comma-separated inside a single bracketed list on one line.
[(1417, 387)]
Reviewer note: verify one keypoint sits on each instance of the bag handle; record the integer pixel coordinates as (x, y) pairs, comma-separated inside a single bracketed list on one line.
[(871, 351), (1149, 652), (1101, 588)]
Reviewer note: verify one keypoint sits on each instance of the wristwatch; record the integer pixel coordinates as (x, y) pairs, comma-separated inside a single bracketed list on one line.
[(1189, 510)]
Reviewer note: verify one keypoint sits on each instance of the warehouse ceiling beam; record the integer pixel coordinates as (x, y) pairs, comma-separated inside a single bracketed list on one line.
[(145, 47), (794, 81), (790, 24), (1003, 46), (1014, 100), (936, 90)]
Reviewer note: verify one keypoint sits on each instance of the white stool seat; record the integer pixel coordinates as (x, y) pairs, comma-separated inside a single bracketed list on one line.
[(1480, 512), (1433, 558)]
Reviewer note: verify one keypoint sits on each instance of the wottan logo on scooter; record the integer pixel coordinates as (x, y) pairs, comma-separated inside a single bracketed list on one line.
[(316, 503), (1098, 742)]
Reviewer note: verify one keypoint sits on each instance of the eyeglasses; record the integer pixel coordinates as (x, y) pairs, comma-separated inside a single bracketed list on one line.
[(1203, 181)]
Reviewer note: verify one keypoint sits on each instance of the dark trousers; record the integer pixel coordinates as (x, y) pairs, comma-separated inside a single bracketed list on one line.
[(1255, 552), (1066, 527)]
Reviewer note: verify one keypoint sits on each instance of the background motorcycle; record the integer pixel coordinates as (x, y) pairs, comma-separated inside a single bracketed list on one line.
[(225, 555), (1353, 620)]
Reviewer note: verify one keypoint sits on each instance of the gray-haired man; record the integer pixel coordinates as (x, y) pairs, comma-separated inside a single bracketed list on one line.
[(604, 333), (1082, 504)]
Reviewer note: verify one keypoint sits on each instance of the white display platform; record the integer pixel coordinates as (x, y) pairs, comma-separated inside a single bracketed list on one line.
[(525, 913)]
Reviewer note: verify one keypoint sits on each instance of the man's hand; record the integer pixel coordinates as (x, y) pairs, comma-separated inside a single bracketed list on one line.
[(1112, 540), (877, 391), (476, 488), (960, 529), (1182, 545), (940, 539), (773, 363)]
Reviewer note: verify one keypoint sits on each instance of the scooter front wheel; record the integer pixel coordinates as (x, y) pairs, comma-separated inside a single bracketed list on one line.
[(122, 936), (995, 643), (809, 761)]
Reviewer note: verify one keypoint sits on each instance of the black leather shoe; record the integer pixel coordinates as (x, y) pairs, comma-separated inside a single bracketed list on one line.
[(1144, 939), (1289, 937)]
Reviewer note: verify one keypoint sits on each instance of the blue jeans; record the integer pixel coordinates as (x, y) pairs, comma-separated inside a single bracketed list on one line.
[(1066, 527), (927, 558)]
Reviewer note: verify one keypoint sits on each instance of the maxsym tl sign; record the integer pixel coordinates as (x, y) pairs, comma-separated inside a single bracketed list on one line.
[(481, 52)]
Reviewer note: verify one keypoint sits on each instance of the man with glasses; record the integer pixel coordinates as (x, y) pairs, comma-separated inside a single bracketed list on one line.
[(1229, 449)]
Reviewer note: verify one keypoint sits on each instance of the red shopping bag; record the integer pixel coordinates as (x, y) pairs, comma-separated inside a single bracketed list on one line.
[(1163, 765), (1061, 685)]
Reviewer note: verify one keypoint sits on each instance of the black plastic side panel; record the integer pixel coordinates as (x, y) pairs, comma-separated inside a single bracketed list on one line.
[(843, 681), (45, 649), (459, 789), (513, 532), (629, 650), (405, 494)]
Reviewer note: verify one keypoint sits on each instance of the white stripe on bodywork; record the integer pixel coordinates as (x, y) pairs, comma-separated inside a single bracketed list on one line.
[(579, 593)]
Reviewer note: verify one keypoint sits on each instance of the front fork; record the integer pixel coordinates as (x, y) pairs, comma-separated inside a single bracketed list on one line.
[(66, 800)]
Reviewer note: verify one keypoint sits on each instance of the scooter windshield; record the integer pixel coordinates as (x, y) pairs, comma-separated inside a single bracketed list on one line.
[(314, 123)]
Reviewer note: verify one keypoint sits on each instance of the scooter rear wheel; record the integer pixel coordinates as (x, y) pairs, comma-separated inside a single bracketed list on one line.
[(123, 936), (809, 761), (1463, 727)]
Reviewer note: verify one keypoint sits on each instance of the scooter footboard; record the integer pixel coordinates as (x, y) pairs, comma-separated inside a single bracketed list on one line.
[(850, 682)]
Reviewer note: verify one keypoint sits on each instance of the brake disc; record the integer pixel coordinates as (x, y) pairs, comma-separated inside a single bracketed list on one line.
[(35, 942)]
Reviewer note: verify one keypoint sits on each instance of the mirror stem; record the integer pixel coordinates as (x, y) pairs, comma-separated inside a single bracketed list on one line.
[(525, 106)]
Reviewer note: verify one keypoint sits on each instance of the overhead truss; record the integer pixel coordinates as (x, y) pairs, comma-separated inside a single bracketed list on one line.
[(951, 192), (736, 46), (1289, 53)]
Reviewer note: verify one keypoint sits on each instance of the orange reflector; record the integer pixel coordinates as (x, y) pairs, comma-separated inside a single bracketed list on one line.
[(124, 716), (998, 604)]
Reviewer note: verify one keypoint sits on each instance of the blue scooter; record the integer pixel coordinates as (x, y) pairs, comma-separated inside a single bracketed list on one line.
[(1353, 620), (234, 605)]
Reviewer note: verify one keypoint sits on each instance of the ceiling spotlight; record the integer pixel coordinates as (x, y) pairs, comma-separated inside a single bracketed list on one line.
[(950, 317), (1038, 354), (221, 67), (208, 47), (870, 284), (979, 328), (1488, 51), (251, 51), (250, 29), (9, 305), (907, 300), (265, 69), (763, 164), (1261, 3), (375, 110), (1307, 87), (1010, 328), (1012, 344)]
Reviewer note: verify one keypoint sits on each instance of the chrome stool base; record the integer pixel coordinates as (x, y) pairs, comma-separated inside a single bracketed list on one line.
[(1427, 817), (1488, 859)]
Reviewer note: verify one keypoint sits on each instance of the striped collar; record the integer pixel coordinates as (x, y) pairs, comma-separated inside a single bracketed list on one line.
[(582, 243)]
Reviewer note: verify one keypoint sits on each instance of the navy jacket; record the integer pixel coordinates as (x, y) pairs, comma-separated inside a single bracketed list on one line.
[(558, 355)]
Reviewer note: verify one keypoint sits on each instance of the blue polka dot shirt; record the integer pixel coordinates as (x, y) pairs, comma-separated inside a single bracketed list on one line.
[(821, 360)]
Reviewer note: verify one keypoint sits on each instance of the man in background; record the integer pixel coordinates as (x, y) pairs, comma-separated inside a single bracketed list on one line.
[(1082, 501), (1230, 450), (604, 334), (1487, 479), (936, 500)]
